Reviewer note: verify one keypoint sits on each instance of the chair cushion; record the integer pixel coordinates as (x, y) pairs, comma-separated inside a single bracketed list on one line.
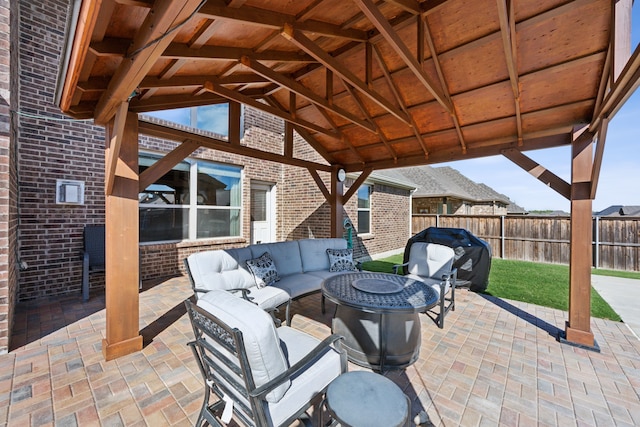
[(286, 256), (218, 270), (430, 260), (314, 252), (311, 381), (341, 260), (264, 270), (261, 341)]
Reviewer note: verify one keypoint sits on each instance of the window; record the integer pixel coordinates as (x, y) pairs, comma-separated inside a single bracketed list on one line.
[(212, 118), (364, 209), (194, 200)]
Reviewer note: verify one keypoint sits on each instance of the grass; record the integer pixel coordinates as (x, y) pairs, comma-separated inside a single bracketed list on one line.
[(535, 283)]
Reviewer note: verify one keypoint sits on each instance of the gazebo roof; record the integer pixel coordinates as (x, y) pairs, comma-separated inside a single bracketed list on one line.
[(368, 84)]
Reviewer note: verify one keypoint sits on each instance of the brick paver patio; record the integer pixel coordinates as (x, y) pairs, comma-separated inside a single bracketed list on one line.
[(496, 362)]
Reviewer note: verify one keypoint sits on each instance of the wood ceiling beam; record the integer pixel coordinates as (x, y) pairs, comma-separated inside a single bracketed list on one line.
[(304, 43), (168, 102), (187, 81), (507, 18), (379, 131), (183, 51), (399, 100), (624, 86), (152, 38), (443, 83), (277, 21), (597, 158), (113, 150), (411, 6), (304, 133), (301, 90), (173, 134), (390, 35), (237, 96)]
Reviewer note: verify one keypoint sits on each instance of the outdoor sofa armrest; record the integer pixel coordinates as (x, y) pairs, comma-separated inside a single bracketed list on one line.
[(397, 267), (335, 340)]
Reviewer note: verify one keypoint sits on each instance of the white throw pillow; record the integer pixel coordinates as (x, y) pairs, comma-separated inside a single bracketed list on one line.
[(264, 270), (341, 260)]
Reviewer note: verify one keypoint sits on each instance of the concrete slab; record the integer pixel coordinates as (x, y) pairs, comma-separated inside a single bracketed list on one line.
[(623, 295)]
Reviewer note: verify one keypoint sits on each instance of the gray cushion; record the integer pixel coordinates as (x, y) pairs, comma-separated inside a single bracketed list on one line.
[(218, 270), (430, 260), (262, 344), (314, 252), (264, 270), (286, 255)]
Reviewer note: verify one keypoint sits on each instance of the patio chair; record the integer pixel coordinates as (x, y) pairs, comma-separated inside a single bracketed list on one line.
[(259, 374), (92, 255), (432, 264)]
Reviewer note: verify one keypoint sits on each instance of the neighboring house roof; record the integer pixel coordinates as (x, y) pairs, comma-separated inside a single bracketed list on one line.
[(388, 177), (619, 210), (448, 182)]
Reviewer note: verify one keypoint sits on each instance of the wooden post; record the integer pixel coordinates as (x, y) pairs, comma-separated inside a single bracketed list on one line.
[(578, 328), (122, 251), (337, 189)]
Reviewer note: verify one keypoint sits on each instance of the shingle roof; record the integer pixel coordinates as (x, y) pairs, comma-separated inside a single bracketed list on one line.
[(448, 182), (619, 210)]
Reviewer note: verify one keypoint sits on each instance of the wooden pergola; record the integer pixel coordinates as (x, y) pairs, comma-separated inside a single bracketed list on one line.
[(368, 84)]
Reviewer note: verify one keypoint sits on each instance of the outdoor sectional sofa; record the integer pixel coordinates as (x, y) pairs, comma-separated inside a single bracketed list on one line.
[(301, 266)]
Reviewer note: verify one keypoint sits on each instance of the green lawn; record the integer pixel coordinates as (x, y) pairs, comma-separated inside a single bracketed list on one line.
[(541, 284)]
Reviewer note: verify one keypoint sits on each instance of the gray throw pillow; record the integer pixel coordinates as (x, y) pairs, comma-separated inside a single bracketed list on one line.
[(341, 260), (264, 270)]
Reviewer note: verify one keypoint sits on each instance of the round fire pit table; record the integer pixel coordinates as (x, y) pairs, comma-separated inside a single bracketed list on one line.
[(377, 313)]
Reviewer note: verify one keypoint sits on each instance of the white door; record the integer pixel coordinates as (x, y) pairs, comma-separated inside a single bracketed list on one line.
[(262, 217)]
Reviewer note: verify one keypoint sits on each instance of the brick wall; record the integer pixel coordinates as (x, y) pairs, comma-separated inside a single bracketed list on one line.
[(8, 280)]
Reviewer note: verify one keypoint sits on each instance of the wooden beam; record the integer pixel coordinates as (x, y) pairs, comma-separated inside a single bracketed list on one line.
[(276, 21), (122, 275), (304, 43), (597, 159), (235, 113), (547, 177), (506, 13), (173, 134), (356, 184), (578, 328), (443, 84), (301, 90), (625, 85), (113, 149), (209, 53), (411, 6), (87, 19), (236, 96), (148, 44), (386, 30), (320, 184), (164, 165)]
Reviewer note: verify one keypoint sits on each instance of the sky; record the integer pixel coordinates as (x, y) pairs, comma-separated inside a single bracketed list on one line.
[(619, 174)]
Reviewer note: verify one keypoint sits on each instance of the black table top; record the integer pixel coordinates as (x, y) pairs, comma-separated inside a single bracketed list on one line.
[(388, 293)]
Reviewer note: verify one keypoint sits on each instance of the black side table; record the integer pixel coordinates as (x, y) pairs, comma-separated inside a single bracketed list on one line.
[(365, 399)]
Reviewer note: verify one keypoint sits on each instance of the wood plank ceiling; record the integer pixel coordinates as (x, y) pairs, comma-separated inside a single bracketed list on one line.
[(367, 83)]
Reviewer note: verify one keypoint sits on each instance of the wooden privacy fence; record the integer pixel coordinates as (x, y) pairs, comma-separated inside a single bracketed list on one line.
[(616, 241)]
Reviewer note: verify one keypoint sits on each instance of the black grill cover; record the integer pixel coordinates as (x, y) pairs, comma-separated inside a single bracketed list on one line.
[(473, 255)]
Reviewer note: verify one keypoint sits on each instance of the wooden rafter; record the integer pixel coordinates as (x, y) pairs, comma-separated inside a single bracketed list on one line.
[(304, 133), (304, 43), (386, 30), (597, 158), (301, 90), (364, 111), (277, 21), (443, 84), (148, 44), (506, 13), (237, 96), (399, 100)]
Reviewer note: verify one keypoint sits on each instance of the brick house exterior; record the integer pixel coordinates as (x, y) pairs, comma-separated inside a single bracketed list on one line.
[(38, 145)]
